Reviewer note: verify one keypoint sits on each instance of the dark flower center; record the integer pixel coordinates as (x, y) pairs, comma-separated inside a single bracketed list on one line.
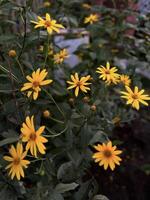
[(35, 84), (78, 84), (107, 153), (47, 23), (135, 96), (16, 161), (107, 72), (32, 136)]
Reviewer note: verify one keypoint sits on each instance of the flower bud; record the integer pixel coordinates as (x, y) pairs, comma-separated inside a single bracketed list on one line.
[(71, 101), (86, 99), (93, 107), (47, 4), (12, 53), (46, 114)]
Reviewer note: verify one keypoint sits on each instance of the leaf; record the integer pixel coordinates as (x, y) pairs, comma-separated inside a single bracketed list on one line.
[(66, 172), (8, 141), (62, 187), (82, 193), (100, 197), (55, 196), (98, 137)]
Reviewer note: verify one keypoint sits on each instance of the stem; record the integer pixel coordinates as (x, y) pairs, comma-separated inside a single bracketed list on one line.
[(50, 96), (56, 120), (21, 68), (114, 4), (25, 31), (57, 134), (47, 49)]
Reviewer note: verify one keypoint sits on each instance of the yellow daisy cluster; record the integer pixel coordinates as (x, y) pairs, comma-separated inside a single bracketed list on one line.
[(32, 137), (34, 142), (110, 75)]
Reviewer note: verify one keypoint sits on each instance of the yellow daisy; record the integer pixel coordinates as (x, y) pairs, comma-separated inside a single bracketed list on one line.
[(48, 24), (61, 56), (36, 81), (50, 49), (46, 4), (125, 79), (33, 137), (79, 84), (17, 162), (108, 74), (92, 18), (135, 97), (86, 6), (107, 155)]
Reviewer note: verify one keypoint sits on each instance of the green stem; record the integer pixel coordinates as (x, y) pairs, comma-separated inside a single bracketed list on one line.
[(21, 68), (114, 4), (50, 96), (57, 134), (47, 49), (56, 120)]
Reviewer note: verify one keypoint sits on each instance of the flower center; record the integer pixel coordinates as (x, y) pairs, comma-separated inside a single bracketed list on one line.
[(35, 84), (135, 96), (78, 84), (16, 161), (32, 136), (107, 153), (47, 23), (107, 72)]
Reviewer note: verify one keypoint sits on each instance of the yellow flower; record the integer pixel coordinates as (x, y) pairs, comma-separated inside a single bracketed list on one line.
[(125, 79), (91, 19), (86, 6), (35, 83), (108, 74), (33, 137), (61, 56), (48, 23), (79, 84), (46, 4), (50, 49), (17, 161), (107, 155), (12, 53), (135, 97), (41, 48)]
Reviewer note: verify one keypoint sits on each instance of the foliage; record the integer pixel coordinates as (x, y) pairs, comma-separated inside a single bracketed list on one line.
[(74, 125)]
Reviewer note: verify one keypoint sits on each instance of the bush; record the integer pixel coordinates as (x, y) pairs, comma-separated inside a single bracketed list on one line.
[(63, 121)]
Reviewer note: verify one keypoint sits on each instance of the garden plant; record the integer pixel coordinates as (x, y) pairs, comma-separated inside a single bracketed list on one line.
[(74, 131)]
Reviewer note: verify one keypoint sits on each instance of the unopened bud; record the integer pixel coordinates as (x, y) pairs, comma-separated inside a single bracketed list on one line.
[(46, 114), (86, 99), (12, 53), (93, 107)]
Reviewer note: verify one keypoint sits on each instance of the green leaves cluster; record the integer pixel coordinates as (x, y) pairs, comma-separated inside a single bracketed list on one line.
[(65, 172)]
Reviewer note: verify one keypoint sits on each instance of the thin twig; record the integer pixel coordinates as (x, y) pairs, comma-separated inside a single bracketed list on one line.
[(25, 32)]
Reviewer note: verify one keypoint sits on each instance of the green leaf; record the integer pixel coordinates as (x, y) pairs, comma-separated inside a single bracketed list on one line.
[(98, 137), (100, 197), (8, 141), (66, 172), (62, 187)]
